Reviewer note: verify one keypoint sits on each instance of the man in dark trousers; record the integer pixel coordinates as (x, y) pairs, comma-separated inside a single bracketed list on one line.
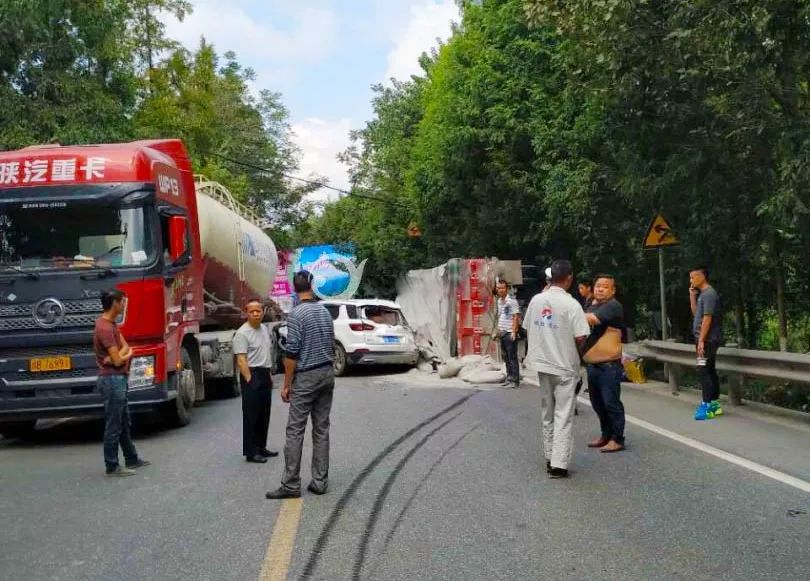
[(708, 331), (309, 382), (508, 326), (252, 347), (112, 356), (602, 355)]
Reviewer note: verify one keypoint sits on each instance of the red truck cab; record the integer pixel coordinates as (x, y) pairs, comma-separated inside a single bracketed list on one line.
[(73, 222)]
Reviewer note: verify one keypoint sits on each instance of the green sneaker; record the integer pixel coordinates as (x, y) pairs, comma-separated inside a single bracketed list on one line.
[(715, 408)]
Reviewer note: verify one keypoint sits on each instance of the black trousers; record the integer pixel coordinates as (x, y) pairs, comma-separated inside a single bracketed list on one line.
[(256, 400), (510, 357), (707, 374)]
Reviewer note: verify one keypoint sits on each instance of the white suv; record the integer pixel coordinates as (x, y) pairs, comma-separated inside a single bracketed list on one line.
[(370, 332), (367, 332)]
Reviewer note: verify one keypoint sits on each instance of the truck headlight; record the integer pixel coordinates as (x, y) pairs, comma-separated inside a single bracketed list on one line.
[(142, 371)]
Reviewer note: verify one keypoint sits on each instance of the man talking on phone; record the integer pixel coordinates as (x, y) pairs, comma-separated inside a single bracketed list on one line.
[(707, 327)]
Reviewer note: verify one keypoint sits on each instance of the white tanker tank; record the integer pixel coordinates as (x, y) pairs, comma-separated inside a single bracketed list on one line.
[(240, 259)]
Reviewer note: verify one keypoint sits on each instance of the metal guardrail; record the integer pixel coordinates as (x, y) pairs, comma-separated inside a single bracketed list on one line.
[(740, 363)]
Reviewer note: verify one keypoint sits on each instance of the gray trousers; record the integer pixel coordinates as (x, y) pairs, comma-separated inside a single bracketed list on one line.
[(311, 395), (558, 401)]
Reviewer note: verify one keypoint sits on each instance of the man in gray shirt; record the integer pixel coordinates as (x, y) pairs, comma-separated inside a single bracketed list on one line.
[(707, 327), (252, 347), (309, 381)]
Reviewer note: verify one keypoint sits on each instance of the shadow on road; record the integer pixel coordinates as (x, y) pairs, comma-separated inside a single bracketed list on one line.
[(377, 370), (79, 431)]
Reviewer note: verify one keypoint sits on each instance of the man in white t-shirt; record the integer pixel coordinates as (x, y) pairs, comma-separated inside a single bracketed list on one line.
[(556, 328)]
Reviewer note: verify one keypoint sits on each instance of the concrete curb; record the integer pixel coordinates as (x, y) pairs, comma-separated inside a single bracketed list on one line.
[(749, 408)]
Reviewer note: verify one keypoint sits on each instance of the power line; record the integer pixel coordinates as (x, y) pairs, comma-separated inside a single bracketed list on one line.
[(308, 181)]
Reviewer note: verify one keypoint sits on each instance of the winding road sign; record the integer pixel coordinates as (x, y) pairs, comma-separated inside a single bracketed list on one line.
[(660, 234)]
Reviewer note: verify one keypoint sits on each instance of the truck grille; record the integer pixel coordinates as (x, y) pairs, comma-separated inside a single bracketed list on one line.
[(28, 352), (78, 313), (71, 374)]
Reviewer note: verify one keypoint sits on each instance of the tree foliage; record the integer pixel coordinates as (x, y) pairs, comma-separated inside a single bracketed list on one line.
[(546, 129), (96, 71)]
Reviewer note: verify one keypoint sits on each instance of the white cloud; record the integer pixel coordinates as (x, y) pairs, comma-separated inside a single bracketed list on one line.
[(320, 142), (312, 36), (428, 21)]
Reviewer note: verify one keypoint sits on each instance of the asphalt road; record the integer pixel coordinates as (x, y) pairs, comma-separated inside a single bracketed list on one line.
[(429, 480)]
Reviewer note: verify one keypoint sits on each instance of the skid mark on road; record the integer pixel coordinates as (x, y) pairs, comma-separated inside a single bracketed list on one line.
[(802, 485), (279, 551), (382, 495), (323, 538), (390, 536)]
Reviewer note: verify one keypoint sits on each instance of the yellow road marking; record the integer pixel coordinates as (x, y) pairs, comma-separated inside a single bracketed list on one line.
[(279, 551)]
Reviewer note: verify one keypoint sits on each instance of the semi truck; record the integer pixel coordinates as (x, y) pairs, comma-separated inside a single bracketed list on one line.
[(77, 220)]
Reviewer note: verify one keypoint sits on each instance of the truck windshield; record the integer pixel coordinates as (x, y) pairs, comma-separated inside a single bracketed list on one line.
[(62, 236)]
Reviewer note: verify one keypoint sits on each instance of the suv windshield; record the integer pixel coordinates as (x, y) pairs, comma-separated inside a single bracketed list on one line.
[(37, 236)]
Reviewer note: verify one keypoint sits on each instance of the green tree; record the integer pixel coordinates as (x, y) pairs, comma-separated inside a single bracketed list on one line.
[(69, 68), (233, 137)]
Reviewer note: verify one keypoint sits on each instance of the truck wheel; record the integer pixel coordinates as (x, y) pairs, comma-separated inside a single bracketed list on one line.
[(341, 363), (21, 429), (179, 412)]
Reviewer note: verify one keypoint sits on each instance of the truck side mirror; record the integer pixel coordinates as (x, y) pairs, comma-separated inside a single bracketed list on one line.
[(177, 237)]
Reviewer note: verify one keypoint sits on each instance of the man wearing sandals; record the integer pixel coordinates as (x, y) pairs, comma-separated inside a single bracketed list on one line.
[(603, 357)]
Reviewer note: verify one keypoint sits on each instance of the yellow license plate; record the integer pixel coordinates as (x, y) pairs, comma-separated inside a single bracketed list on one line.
[(41, 364)]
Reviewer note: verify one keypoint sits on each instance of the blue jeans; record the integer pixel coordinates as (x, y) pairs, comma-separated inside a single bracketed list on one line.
[(113, 389), (605, 390), (510, 357)]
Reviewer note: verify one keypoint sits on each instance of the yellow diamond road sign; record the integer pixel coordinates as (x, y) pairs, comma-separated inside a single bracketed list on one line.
[(414, 231), (659, 234)]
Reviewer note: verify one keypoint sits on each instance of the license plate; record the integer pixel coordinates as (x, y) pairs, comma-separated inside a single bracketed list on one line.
[(41, 364), (391, 339)]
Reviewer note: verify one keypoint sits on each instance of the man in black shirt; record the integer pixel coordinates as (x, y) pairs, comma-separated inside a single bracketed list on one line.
[(585, 289), (603, 356)]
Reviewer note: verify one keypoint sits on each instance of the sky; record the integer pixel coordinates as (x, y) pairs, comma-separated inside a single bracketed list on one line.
[(323, 57)]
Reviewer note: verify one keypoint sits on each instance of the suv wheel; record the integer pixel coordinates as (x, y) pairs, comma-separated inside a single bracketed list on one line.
[(341, 363)]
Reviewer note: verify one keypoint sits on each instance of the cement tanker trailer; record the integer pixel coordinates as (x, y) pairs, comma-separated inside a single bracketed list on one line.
[(77, 220)]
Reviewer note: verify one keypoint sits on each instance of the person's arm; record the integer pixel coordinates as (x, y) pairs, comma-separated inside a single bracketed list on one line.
[(592, 319), (292, 351), (693, 293), (515, 320), (244, 368), (118, 357), (709, 307), (580, 327), (240, 349), (705, 325), (289, 374)]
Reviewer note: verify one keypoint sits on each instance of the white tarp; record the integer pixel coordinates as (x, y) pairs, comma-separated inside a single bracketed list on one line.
[(428, 301)]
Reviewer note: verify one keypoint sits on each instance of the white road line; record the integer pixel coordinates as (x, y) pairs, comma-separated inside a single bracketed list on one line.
[(717, 453)]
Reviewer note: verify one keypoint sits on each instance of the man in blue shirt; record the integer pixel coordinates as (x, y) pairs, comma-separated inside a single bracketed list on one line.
[(309, 382)]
